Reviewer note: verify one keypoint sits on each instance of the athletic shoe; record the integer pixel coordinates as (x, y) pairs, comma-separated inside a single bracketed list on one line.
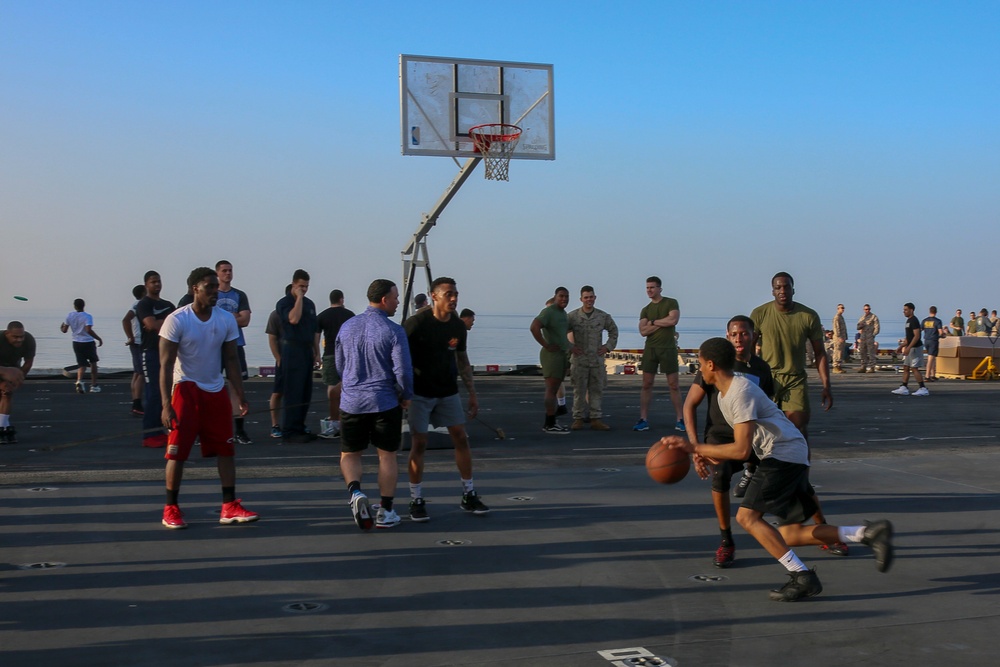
[(3, 436), (556, 429), (901, 391), (158, 440), (472, 503), (922, 392), (362, 511), (641, 425), (577, 425), (598, 425), (861, 370), (418, 511), (878, 536), (386, 518), (837, 548), (11, 436), (241, 438), (839, 370), (94, 389), (870, 370), (679, 426), (724, 556), (173, 517), (235, 513), (800, 585), (80, 389), (561, 410), (275, 431), (741, 486), (330, 432)]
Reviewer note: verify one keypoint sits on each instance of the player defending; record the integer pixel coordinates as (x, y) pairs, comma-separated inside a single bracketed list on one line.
[(740, 333), (437, 340), (195, 341), (657, 323), (781, 483)]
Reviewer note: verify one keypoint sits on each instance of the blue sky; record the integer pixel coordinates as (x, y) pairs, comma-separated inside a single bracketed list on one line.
[(853, 144)]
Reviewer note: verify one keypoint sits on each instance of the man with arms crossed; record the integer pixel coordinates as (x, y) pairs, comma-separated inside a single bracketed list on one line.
[(236, 303), (587, 325), (152, 311), (739, 332), (437, 339), (373, 361), (839, 339), (657, 324), (781, 484), (195, 341), (549, 329)]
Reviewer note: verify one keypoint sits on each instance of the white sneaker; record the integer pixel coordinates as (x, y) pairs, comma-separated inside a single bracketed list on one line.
[(386, 518), (94, 389), (922, 392), (901, 391)]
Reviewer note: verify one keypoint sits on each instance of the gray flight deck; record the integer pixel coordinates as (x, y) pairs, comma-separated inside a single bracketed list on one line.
[(583, 561)]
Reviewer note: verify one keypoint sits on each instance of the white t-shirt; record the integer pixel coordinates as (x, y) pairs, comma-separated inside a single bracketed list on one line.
[(78, 321), (136, 326), (199, 352), (774, 435)]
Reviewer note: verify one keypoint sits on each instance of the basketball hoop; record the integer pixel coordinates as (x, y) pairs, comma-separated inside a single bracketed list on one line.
[(496, 142)]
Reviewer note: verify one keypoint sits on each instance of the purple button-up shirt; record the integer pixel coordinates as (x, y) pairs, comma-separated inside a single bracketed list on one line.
[(373, 359)]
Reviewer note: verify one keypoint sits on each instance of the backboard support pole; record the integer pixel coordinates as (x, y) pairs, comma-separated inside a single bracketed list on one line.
[(415, 255)]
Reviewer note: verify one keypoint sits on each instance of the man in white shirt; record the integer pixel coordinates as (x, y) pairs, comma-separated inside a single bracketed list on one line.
[(85, 344)]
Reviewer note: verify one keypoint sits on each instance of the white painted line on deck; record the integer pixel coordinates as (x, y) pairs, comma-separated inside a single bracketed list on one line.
[(914, 437)]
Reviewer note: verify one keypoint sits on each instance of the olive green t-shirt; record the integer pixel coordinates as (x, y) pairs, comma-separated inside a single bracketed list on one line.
[(663, 337), (784, 336), (555, 324)]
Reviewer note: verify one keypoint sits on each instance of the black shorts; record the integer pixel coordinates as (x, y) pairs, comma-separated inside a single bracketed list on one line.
[(722, 474), (279, 381), (242, 356), (384, 430), (931, 349), (86, 353), (782, 489), (136, 351)]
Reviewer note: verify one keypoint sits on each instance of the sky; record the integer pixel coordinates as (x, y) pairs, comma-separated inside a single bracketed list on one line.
[(855, 145)]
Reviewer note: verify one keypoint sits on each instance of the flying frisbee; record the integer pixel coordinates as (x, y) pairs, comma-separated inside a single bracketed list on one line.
[(21, 298)]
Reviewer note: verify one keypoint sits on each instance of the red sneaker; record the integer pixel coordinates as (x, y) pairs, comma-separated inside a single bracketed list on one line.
[(234, 513), (837, 548), (155, 440), (173, 517), (724, 556)]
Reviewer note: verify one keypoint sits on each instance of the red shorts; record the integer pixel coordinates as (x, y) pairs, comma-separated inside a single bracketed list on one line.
[(201, 415)]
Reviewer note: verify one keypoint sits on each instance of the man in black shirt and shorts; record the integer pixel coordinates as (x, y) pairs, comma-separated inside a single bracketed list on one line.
[(913, 353), (330, 321), (437, 340), (151, 311)]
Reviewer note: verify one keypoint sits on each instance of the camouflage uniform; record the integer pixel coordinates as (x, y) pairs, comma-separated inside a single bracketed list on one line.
[(869, 327), (839, 340), (587, 369)]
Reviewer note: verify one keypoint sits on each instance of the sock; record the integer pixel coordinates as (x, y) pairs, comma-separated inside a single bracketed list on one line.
[(561, 401), (467, 486), (4, 421), (921, 383), (792, 562), (172, 496), (387, 503), (239, 424), (550, 420), (904, 384), (853, 534), (137, 404), (727, 536), (416, 491), (354, 487), (228, 494)]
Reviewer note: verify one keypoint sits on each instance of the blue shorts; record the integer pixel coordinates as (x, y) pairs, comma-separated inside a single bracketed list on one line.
[(425, 411), (136, 351)]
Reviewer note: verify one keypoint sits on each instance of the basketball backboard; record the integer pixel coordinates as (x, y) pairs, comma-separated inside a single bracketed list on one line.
[(441, 98)]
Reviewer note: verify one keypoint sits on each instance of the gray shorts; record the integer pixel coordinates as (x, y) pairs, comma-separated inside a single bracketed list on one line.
[(914, 358), (445, 411)]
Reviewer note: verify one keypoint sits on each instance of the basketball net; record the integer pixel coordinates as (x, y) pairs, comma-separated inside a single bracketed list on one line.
[(496, 143)]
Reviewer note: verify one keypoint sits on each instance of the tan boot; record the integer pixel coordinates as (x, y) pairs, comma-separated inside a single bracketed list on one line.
[(598, 425), (577, 424)]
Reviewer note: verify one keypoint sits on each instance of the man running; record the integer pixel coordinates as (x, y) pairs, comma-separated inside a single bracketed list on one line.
[(912, 351), (85, 344)]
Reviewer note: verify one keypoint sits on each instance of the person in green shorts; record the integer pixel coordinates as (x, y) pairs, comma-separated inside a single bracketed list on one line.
[(657, 324), (549, 329), (784, 329)]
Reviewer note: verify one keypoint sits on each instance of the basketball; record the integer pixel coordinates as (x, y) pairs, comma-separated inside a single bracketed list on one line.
[(665, 465)]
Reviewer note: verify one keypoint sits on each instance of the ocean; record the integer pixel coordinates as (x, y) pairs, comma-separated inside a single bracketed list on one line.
[(495, 339)]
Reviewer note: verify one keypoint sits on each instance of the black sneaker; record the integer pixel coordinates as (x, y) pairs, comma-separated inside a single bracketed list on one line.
[(242, 438), (3, 436), (556, 429), (724, 556), (472, 503), (741, 486), (11, 436), (878, 536), (418, 511), (561, 410), (800, 585)]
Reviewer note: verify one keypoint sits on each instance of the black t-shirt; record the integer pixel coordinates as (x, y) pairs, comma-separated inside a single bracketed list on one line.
[(433, 345), (330, 321), (305, 330), (913, 331), (717, 430), (156, 308)]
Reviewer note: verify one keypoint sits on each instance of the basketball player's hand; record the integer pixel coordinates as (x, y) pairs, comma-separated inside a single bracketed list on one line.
[(677, 442), (168, 417), (701, 466)]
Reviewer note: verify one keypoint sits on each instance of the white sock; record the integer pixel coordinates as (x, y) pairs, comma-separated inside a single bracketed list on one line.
[(467, 486), (4, 421), (415, 491), (853, 534), (792, 562), (561, 401)]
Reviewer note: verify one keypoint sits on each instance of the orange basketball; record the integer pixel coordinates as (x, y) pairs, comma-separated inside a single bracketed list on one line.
[(665, 465)]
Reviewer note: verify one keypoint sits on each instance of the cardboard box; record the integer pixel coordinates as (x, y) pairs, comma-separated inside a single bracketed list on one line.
[(974, 347)]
